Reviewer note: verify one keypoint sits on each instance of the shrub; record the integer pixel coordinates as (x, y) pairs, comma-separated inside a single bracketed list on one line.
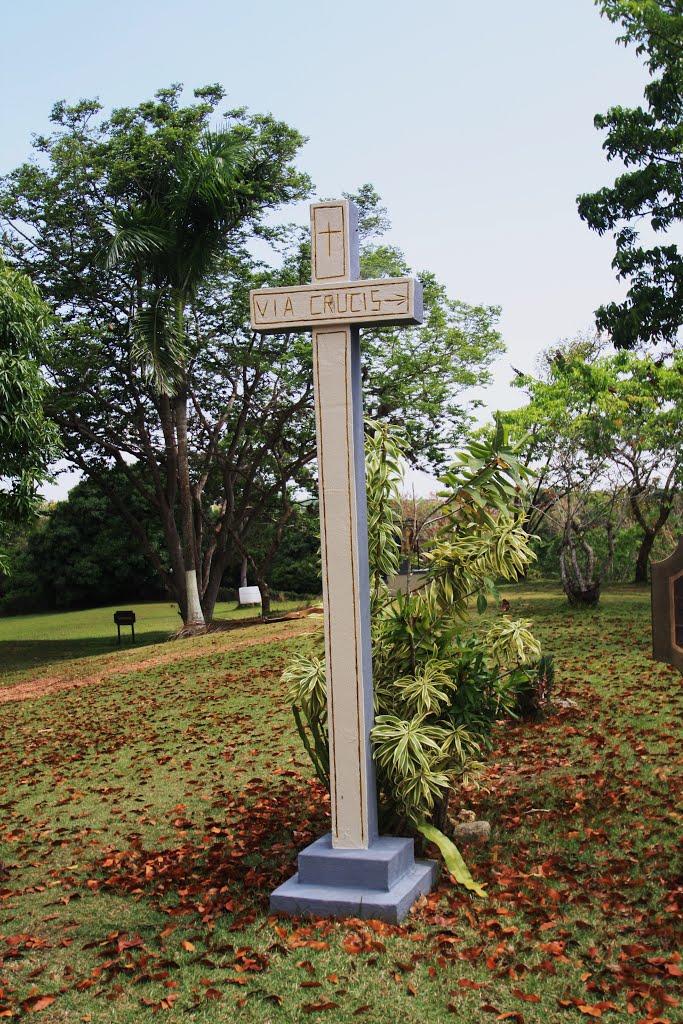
[(534, 693), (438, 689)]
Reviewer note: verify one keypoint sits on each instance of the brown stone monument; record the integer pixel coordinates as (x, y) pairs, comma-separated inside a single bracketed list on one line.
[(667, 609)]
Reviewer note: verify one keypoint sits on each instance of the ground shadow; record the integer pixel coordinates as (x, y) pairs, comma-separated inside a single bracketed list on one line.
[(22, 655)]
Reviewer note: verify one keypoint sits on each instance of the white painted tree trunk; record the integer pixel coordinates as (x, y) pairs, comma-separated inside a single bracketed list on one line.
[(195, 615)]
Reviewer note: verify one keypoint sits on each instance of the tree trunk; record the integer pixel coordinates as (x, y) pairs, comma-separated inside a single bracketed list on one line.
[(440, 813), (264, 588), (174, 549), (243, 572), (650, 533), (193, 614), (581, 591), (582, 597), (265, 597), (219, 564), (643, 557)]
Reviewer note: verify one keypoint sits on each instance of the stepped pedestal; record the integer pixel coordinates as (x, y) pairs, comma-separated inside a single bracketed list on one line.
[(380, 882)]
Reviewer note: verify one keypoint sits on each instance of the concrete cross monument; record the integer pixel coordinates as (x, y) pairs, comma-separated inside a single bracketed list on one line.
[(353, 870)]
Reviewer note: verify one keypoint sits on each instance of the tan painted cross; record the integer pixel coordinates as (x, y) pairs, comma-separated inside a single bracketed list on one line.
[(333, 307)]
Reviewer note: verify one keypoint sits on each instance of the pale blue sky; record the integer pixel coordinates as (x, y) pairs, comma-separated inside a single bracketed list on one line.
[(473, 121)]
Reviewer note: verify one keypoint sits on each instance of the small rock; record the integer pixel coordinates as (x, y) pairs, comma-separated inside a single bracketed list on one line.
[(466, 832)]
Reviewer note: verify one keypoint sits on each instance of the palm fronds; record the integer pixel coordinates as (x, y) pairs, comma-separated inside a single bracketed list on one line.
[(173, 242)]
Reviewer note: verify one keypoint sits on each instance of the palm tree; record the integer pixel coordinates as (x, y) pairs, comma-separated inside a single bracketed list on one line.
[(173, 241)]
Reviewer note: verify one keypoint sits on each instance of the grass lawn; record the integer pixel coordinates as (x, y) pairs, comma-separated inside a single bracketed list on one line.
[(145, 818), (35, 643)]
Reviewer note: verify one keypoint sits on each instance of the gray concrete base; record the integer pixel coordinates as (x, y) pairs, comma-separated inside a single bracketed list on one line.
[(381, 882)]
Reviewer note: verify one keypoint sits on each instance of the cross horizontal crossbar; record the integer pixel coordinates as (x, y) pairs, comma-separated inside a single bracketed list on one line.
[(380, 303)]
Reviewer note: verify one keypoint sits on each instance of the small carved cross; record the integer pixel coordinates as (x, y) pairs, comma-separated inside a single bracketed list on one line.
[(329, 232)]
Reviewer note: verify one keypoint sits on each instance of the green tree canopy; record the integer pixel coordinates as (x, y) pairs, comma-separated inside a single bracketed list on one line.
[(241, 402), (649, 140), (606, 423), (79, 554), (28, 441)]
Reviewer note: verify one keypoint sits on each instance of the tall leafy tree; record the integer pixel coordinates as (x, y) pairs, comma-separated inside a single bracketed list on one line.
[(28, 440), (173, 240), (576, 496), (248, 398), (606, 421), (124, 222), (649, 140)]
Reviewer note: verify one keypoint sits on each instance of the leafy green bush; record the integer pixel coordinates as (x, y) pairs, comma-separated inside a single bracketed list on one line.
[(438, 688), (534, 693)]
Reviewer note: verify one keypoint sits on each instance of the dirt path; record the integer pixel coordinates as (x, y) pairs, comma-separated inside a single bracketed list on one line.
[(114, 666)]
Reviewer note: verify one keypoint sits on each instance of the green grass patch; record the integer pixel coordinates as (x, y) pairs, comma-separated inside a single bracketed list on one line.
[(34, 643), (145, 819)]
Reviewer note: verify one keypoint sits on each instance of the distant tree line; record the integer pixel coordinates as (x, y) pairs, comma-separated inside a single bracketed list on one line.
[(603, 432), (78, 553)]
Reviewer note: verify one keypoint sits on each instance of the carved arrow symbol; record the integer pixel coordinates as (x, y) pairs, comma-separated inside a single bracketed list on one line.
[(398, 298)]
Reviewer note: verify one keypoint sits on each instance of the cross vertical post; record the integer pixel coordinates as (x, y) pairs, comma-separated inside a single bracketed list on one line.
[(343, 537)]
